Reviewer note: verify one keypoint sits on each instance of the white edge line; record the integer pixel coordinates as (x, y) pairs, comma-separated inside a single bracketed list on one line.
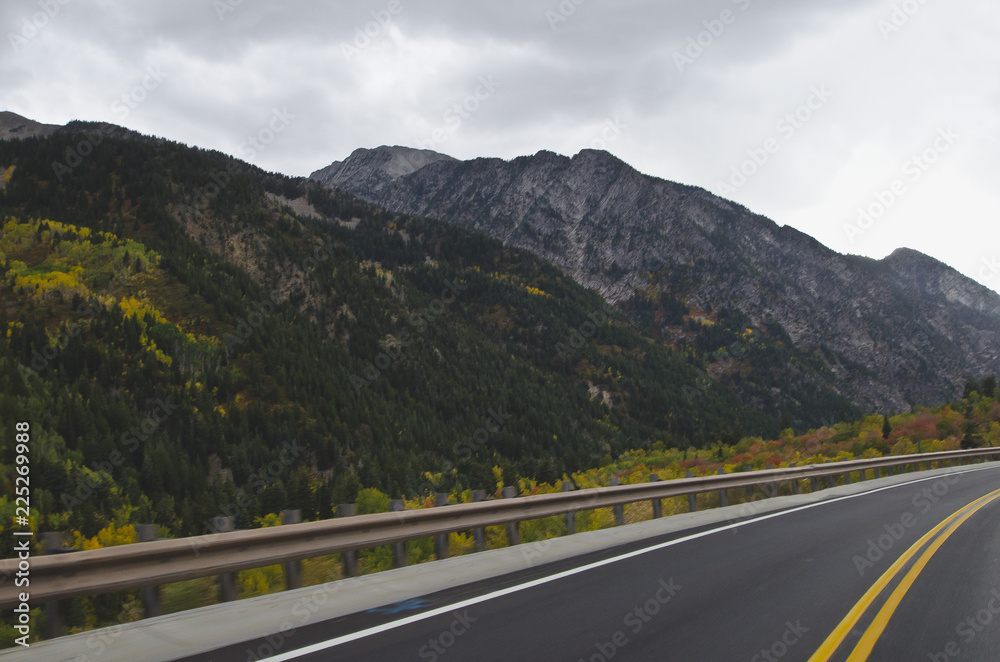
[(377, 629)]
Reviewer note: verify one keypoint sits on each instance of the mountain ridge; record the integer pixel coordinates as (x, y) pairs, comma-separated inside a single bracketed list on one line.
[(616, 230), (887, 334)]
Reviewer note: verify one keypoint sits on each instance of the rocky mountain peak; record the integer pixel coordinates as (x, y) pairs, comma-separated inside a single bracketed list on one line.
[(599, 156), (13, 126), (911, 328), (922, 275), (378, 165)]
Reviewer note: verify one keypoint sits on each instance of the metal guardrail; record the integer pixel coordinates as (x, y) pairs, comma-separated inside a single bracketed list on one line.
[(153, 563)]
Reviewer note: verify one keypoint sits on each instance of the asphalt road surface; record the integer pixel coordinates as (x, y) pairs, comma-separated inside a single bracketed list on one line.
[(904, 573)]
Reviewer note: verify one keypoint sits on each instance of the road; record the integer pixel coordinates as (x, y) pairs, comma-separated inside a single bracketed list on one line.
[(900, 573)]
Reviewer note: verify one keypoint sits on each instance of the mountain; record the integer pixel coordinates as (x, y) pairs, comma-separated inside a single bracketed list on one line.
[(190, 336), (187, 336), (13, 126), (886, 334)]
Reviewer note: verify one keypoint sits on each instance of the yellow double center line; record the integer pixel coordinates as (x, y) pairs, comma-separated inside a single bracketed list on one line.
[(877, 627)]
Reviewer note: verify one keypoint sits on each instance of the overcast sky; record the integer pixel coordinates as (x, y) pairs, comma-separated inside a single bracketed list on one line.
[(805, 112)]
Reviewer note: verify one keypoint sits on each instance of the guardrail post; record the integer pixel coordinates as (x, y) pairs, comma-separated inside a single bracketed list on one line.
[(812, 484), (571, 515), (441, 539), (150, 594), (723, 495), (227, 583), (513, 531), (656, 503), (479, 533), (876, 472), (619, 511), (692, 498), (293, 569), (52, 543), (398, 548), (795, 481), (832, 480), (350, 557)]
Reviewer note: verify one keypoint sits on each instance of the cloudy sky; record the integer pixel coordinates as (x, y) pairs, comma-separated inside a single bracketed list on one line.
[(868, 124)]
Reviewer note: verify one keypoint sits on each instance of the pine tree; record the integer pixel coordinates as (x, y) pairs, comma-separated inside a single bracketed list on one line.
[(988, 388)]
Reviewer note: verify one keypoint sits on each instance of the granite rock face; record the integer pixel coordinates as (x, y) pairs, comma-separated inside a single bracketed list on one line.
[(895, 332)]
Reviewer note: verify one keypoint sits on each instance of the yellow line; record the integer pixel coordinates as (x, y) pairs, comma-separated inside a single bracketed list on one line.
[(836, 638), (877, 627)]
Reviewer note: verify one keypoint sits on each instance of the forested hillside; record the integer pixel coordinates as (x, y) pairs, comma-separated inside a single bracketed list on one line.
[(189, 336)]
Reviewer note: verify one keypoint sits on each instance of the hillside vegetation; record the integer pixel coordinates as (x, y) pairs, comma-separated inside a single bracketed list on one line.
[(975, 421), (181, 340)]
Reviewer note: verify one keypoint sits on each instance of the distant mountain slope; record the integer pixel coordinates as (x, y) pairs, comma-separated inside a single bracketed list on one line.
[(13, 126), (892, 333), (377, 168)]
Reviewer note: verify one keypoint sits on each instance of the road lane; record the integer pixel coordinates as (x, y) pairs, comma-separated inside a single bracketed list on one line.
[(769, 589), (872, 613), (952, 611)]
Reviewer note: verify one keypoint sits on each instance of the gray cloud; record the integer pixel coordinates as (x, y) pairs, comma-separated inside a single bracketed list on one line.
[(567, 70)]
